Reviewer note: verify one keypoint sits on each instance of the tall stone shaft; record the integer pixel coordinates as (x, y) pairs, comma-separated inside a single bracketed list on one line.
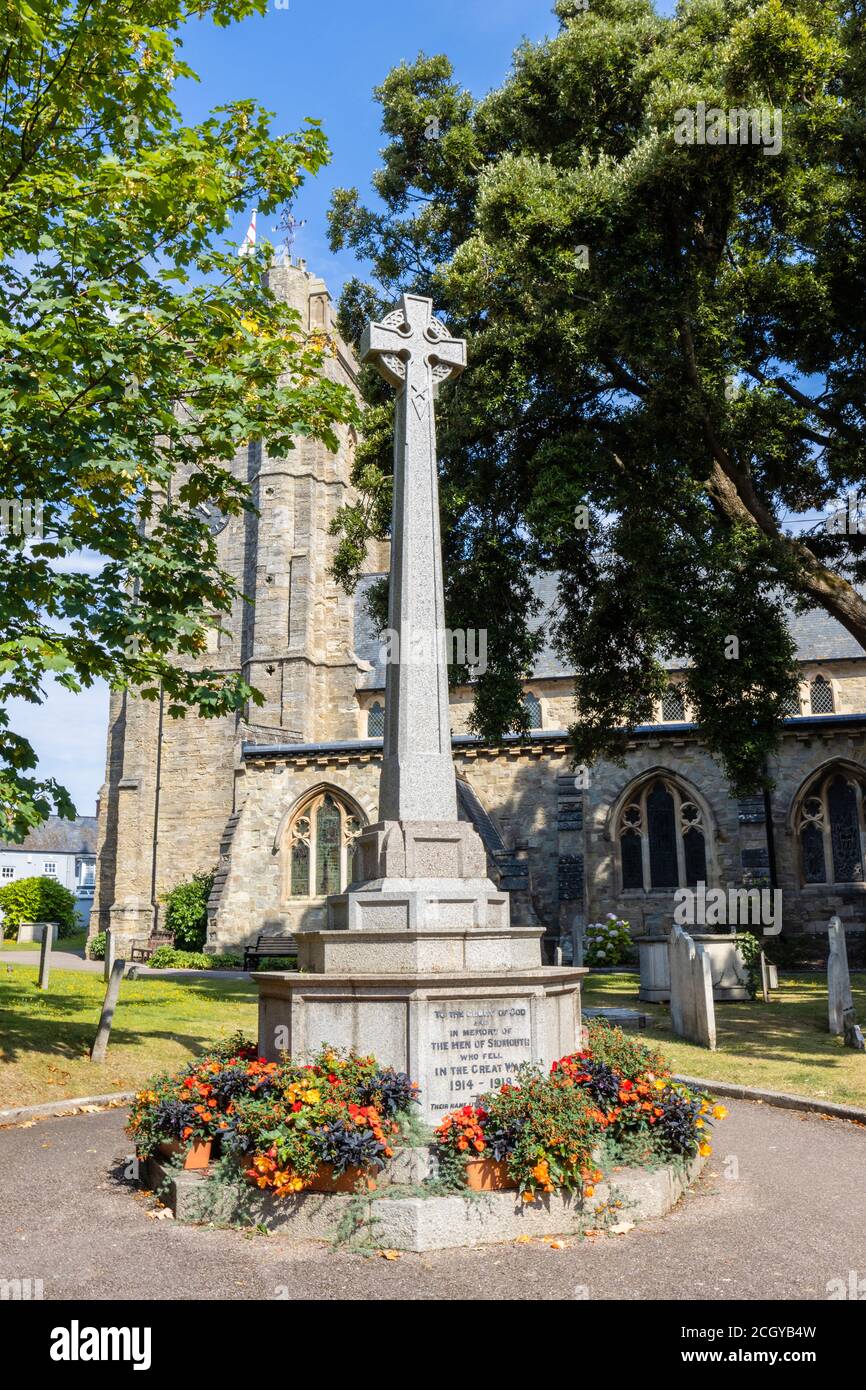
[(414, 352)]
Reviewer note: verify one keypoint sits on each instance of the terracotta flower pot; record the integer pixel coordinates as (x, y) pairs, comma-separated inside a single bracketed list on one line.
[(197, 1154), (486, 1175), (351, 1180)]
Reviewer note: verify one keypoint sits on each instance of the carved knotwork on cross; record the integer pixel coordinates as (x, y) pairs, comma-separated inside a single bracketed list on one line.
[(413, 350)]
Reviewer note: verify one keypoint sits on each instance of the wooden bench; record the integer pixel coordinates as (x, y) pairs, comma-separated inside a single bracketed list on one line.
[(143, 947), (270, 946)]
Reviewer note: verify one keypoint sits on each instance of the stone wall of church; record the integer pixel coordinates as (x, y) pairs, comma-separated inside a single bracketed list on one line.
[(565, 824), (805, 751), (251, 894)]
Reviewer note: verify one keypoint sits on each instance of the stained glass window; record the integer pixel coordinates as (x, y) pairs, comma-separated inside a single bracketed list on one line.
[(322, 848), (300, 858), (632, 861), (812, 841), (328, 847), (662, 838), (844, 831), (829, 827), (695, 855)]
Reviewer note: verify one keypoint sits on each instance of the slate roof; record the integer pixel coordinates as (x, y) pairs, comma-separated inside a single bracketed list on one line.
[(818, 637), (60, 836)]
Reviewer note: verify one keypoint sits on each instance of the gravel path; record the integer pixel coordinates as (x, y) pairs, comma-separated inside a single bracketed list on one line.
[(792, 1219)]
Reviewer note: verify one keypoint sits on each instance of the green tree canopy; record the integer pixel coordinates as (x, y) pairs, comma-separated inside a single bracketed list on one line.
[(136, 357), (667, 345)]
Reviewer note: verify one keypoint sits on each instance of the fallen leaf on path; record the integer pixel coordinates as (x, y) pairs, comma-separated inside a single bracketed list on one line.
[(557, 1244), (390, 1254)]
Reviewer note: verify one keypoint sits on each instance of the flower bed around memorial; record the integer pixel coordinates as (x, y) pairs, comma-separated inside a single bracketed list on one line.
[(332, 1124), (287, 1127), (614, 1101)]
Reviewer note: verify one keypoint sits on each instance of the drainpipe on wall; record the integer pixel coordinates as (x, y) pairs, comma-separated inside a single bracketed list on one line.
[(769, 831)]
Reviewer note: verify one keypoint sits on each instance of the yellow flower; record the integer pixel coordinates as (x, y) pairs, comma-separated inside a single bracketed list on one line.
[(704, 1149), (659, 1084), (699, 1124), (719, 1112), (310, 1097)]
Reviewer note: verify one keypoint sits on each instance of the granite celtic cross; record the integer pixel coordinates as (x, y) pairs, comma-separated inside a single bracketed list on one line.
[(414, 352)]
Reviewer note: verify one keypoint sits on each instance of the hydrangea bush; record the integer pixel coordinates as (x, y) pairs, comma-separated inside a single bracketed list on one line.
[(607, 942)]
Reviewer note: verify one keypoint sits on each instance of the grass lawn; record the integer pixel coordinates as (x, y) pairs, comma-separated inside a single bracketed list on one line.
[(45, 1038), (66, 943), (780, 1046)]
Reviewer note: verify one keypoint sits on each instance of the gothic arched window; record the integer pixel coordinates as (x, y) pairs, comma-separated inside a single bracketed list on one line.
[(321, 847), (375, 721), (820, 696), (830, 829), (532, 705), (673, 705), (791, 705), (662, 838)]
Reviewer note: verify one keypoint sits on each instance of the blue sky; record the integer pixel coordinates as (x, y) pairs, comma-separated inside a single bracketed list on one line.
[(309, 59), (323, 60)]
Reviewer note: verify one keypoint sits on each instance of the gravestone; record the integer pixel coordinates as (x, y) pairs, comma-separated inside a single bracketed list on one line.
[(764, 965), (840, 1001), (419, 963), (45, 959), (34, 931), (109, 1004), (692, 1011), (108, 958)]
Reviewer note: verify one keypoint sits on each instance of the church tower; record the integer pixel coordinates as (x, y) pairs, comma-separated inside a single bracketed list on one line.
[(172, 787)]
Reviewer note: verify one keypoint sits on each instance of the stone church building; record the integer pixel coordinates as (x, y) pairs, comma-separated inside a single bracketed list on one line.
[(274, 801)]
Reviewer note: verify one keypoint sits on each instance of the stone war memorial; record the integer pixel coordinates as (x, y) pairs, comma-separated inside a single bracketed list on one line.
[(419, 963)]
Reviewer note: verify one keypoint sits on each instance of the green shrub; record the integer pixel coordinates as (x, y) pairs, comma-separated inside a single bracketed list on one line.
[(276, 963), (227, 962), (38, 900), (169, 958), (96, 946), (607, 942), (186, 911)]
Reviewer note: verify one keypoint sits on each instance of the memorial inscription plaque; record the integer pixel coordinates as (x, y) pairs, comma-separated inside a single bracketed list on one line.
[(475, 1045)]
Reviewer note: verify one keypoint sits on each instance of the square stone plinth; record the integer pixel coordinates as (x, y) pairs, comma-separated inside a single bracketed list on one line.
[(457, 1035)]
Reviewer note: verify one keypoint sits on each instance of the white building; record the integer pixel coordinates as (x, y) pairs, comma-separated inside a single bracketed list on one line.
[(64, 850)]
